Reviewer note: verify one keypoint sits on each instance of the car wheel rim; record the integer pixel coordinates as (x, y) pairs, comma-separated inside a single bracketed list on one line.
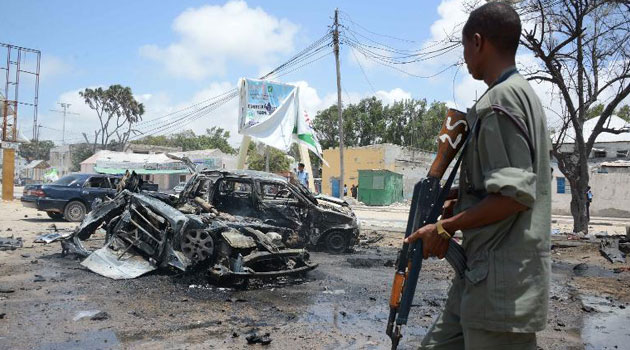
[(198, 245), (75, 212), (336, 242)]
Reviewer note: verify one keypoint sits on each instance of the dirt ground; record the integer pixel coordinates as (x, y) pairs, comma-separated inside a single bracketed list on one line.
[(340, 305)]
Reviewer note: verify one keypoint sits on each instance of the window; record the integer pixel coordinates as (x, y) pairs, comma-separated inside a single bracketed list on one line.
[(98, 182), (67, 180), (378, 182), (114, 181), (182, 178), (599, 153), (235, 187), (560, 184), (272, 191), (622, 153)]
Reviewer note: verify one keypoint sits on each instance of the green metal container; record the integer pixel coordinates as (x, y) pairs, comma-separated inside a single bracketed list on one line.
[(380, 187)]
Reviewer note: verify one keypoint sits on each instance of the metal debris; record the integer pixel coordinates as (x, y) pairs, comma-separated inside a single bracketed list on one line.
[(53, 236), (609, 248), (10, 243), (148, 230)]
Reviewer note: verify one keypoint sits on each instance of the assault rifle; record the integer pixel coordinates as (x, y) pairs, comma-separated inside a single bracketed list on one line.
[(426, 206)]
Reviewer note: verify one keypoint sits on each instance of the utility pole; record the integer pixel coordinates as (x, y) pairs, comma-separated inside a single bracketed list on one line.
[(65, 107), (336, 49)]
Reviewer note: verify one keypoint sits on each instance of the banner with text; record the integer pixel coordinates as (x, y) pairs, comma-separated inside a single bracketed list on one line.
[(271, 113)]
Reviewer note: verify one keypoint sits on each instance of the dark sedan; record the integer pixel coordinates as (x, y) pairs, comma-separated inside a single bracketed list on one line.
[(70, 197)]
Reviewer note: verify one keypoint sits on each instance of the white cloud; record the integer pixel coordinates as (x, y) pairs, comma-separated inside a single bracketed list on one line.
[(389, 97), (210, 36), (51, 66), (453, 15)]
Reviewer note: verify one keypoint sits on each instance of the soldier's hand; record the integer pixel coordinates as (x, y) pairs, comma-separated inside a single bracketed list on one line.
[(432, 243)]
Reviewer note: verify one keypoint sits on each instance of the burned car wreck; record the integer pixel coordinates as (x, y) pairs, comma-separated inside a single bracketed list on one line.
[(320, 222), (150, 230)]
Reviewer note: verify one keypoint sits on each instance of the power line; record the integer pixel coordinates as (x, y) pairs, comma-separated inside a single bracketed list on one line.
[(363, 71)]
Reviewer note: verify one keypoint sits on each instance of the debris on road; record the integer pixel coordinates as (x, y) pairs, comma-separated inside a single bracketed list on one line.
[(10, 243), (370, 238), (85, 314), (254, 338), (149, 230), (39, 278), (53, 236), (609, 248), (100, 316)]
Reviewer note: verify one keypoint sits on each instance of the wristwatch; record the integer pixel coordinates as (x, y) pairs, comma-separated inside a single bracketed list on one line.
[(441, 231)]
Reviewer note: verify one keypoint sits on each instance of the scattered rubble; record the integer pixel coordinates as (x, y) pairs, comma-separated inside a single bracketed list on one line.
[(366, 239), (10, 243), (254, 338), (609, 248)]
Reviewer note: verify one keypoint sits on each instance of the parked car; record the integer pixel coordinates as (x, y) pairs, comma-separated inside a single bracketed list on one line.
[(179, 187), (70, 197), (324, 222)]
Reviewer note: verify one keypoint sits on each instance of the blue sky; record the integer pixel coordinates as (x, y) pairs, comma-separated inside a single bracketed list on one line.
[(175, 53)]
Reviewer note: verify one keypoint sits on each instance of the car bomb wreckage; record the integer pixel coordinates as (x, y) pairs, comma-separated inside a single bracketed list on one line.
[(150, 230)]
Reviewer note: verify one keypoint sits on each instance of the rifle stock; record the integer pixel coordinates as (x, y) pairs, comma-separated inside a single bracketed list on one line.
[(426, 204)]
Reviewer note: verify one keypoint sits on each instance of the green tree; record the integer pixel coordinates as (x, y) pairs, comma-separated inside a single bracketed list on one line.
[(582, 51), (406, 123), (80, 154), (278, 160), (594, 111), (36, 150), (624, 113), (214, 138), (117, 111)]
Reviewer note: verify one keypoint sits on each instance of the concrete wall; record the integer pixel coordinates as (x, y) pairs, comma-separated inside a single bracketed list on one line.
[(369, 157), (611, 149), (412, 164), (611, 195)]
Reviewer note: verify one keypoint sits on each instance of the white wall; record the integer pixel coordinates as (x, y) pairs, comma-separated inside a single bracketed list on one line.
[(611, 195)]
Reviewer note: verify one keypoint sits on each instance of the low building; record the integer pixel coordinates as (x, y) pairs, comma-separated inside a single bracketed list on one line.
[(412, 164), (607, 146), (60, 157), (157, 168), (609, 164), (35, 171), (149, 149)]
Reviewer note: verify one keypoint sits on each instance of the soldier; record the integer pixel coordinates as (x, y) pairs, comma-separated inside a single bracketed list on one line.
[(503, 204)]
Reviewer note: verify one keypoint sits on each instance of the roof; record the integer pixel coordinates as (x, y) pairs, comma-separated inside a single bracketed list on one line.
[(39, 163), (122, 157), (110, 162), (616, 164), (119, 171), (614, 122), (254, 174)]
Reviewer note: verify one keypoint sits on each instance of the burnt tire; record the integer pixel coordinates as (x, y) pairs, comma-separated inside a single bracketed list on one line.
[(336, 242), (54, 215), (74, 211)]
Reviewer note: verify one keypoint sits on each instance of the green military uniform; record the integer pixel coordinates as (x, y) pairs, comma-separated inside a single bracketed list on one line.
[(502, 300)]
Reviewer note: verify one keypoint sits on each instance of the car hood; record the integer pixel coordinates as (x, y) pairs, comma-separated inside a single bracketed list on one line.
[(335, 205), (323, 197)]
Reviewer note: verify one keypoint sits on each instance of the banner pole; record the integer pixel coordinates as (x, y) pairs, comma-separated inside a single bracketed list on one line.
[(242, 153)]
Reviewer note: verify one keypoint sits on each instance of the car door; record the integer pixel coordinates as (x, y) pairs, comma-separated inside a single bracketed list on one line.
[(95, 189), (279, 205)]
